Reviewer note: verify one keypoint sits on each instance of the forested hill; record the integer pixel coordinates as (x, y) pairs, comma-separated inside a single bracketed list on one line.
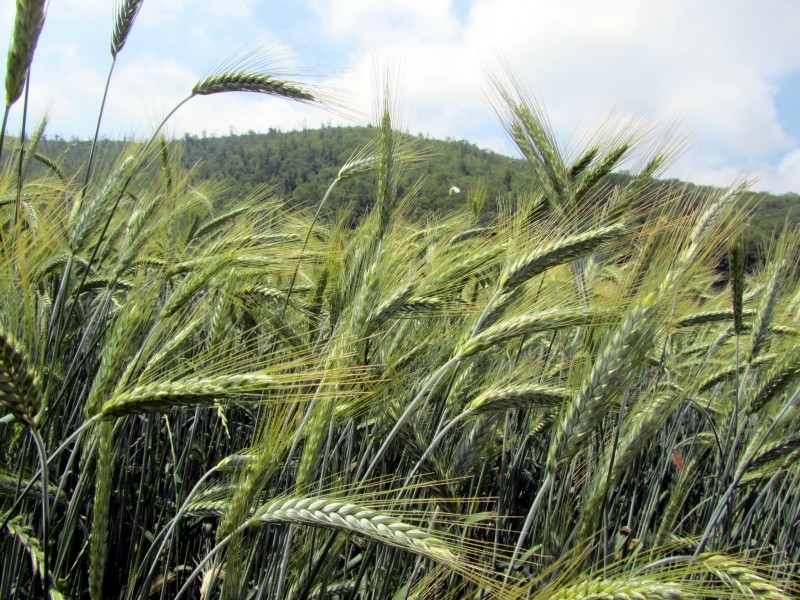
[(302, 164)]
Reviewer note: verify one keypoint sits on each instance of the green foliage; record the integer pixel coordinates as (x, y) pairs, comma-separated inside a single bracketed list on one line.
[(208, 392), (300, 165)]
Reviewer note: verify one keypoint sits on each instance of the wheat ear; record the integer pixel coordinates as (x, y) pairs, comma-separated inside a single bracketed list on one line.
[(736, 260), (126, 15), (784, 372), (766, 309), (516, 396), (352, 518), (525, 325), (584, 413), (590, 178), (559, 252), (33, 546), (187, 392), (18, 393), (27, 27), (242, 81), (628, 588), (740, 577), (591, 403), (98, 541)]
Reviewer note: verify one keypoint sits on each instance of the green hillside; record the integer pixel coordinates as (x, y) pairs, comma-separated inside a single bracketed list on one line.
[(300, 165)]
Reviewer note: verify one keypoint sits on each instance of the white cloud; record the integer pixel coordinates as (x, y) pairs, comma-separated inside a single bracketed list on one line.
[(785, 177), (371, 23), (714, 65)]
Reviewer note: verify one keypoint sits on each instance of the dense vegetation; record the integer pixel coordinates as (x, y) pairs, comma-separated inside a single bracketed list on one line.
[(217, 394), (299, 165)]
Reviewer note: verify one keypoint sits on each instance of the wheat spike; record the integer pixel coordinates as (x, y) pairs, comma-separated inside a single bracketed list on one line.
[(784, 372), (126, 15), (590, 178), (714, 316), (766, 309), (28, 24), (18, 392), (740, 577), (98, 549), (517, 396), (187, 392), (736, 260), (559, 252), (242, 81), (527, 324), (619, 589), (727, 372), (610, 370), (352, 518)]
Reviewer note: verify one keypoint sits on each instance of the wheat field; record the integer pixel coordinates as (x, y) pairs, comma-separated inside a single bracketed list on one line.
[(583, 393)]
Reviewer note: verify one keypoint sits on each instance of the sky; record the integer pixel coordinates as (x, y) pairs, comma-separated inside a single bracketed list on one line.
[(722, 75)]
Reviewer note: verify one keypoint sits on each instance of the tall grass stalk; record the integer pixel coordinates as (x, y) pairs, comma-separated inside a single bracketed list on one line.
[(538, 395)]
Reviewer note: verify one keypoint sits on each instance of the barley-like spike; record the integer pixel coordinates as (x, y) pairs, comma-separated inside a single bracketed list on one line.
[(739, 577), (384, 201), (517, 396), (126, 15), (780, 376), (580, 165), (728, 372), (215, 223), (83, 219), (557, 253), (535, 160), (468, 234), (605, 165), (11, 486), (357, 166), (469, 451), (776, 451), (609, 370), (241, 81), (714, 316), (536, 129), (166, 168), (267, 293), (527, 324), (389, 307), (236, 462), (765, 310), (642, 426), (316, 431), (28, 24), (33, 546), (706, 219), (98, 547), (187, 392), (778, 329), (340, 590), (51, 164), (207, 508), (627, 588), (736, 267), (18, 391), (30, 152), (416, 305), (464, 268), (352, 518)]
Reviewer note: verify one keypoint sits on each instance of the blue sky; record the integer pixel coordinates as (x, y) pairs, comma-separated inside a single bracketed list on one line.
[(725, 74)]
